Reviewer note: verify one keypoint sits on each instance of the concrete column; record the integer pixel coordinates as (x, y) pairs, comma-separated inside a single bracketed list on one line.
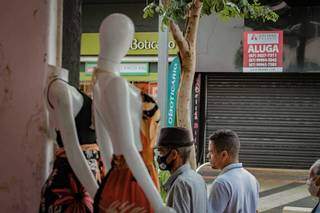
[(23, 58)]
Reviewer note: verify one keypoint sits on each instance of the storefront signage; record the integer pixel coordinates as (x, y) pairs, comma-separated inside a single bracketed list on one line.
[(196, 107), (262, 51), (125, 68), (174, 74), (145, 43), (148, 45)]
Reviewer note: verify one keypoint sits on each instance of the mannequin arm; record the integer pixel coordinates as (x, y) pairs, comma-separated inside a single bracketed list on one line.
[(62, 102), (116, 101)]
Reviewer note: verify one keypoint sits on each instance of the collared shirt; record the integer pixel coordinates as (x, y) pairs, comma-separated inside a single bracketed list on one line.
[(187, 191), (235, 190), (316, 208)]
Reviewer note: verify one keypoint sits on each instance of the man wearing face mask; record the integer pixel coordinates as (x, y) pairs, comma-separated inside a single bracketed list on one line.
[(313, 183), (186, 190)]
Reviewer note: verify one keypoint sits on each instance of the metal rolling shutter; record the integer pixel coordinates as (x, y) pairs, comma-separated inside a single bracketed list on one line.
[(277, 116)]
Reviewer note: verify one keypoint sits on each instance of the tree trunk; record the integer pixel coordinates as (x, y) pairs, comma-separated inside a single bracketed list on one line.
[(184, 98), (71, 39), (187, 48)]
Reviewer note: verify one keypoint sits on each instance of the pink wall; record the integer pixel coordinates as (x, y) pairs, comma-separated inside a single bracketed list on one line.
[(23, 37)]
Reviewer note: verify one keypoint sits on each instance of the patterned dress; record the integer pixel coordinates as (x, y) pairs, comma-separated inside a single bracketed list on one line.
[(119, 191)]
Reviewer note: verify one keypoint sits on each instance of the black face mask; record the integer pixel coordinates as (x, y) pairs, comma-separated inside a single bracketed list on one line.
[(162, 161)]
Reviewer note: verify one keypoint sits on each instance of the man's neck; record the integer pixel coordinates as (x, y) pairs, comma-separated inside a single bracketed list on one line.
[(176, 166), (230, 162)]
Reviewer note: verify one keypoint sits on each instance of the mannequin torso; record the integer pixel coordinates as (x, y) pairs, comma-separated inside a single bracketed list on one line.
[(71, 168), (104, 85)]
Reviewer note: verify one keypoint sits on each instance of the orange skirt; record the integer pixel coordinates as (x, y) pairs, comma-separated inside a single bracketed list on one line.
[(120, 191)]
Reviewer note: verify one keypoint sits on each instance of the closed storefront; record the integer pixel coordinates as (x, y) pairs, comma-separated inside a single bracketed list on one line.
[(277, 116)]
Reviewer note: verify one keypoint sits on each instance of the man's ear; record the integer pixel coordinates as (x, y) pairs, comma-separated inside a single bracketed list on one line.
[(225, 155), (173, 155)]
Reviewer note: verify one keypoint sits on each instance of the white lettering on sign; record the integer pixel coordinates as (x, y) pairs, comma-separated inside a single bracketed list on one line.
[(261, 48), (148, 45), (127, 68), (172, 98), (172, 44), (262, 69)]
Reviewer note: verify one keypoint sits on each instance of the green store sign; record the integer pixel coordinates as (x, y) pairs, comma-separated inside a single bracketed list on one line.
[(174, 74), (145, 43)]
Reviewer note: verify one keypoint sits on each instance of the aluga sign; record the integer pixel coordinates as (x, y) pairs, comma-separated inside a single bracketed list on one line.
[(262, 51)]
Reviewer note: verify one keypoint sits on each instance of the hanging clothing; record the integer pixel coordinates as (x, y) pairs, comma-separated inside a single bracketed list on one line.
[(63, 192), (119, 189)]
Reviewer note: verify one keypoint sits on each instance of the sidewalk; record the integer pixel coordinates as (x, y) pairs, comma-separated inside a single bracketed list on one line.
[(278, 188)]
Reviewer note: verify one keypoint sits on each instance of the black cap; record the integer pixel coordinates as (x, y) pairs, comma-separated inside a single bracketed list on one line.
[(174, 137)]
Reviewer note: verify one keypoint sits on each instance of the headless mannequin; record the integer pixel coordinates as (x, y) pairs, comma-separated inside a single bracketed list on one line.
[(66, 103), (118, 106)]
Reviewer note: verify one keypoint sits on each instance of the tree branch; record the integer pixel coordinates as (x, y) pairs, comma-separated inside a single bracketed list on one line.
[(179, 38), (193, 22)]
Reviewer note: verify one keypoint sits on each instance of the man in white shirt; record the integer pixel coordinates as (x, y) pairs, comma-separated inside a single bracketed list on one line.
[(235, 190)]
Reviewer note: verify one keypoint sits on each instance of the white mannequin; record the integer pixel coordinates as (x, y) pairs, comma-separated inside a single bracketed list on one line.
[(118, 107), (66, 103)]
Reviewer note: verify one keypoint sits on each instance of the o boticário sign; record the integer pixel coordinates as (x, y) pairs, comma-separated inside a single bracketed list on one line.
[(143, 43), (262, 51), (174, 74)]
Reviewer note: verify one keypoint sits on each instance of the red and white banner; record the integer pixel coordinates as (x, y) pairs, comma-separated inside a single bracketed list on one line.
[(262, 51)]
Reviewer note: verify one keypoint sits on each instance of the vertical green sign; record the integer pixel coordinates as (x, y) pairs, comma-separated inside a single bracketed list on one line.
[(174, 74)]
